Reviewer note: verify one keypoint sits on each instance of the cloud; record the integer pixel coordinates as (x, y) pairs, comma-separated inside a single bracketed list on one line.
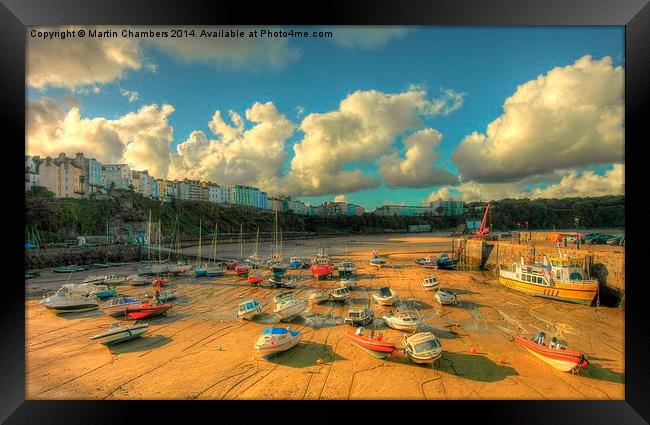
[(238, 156), (417, 169), (132, 95), (75, 62), (368, 38), (587, 183), (341, 198), (141, 138), (570, 117), (300, 111)]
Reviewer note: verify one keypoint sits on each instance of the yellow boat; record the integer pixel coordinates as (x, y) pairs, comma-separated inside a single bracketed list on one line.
[(559, 278)]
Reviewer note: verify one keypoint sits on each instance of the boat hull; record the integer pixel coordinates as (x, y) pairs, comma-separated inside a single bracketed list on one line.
[(200, 272), (269, 351), (378, 349), (144, 312), (250, 314), (122, 336), (423, 359), (573, 293), (72, 308), (563, 360), (387, 301)]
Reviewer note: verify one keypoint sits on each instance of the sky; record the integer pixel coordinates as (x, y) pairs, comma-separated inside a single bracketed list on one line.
[(371, 115)]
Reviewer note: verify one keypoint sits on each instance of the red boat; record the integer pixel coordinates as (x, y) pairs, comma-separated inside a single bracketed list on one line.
[(146, 309), (375, 345), (322, 270), (255, 279), (242, 271), (230, 265), (161, 281), (553, 354)]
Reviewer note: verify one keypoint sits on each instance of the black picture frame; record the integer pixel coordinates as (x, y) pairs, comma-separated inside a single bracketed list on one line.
[(15, 15)]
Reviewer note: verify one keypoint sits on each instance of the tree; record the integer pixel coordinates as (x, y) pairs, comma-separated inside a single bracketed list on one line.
[(39, 192)]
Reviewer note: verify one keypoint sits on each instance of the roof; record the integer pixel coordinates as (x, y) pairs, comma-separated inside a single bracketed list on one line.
[(279, 331)]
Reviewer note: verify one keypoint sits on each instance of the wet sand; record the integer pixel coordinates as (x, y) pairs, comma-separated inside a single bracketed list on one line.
[(200, 350)]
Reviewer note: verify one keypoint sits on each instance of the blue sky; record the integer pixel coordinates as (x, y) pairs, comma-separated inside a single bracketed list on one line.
[(486, 64)]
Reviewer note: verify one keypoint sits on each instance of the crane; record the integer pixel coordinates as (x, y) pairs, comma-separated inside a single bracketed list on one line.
[(483, 230)]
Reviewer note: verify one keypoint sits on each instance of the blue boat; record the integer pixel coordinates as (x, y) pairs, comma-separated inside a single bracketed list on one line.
[(446, 262), (200, 271), (295, 263), (106, 293)]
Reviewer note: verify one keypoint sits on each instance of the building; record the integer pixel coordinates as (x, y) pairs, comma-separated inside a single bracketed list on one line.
[(49, 175), (61, 176), (402, 210), (191, 190), (31, 173), (218, 194), (172, 190), (448, 208), (93, 181), (117, 175), (248, 196), (277, 204)]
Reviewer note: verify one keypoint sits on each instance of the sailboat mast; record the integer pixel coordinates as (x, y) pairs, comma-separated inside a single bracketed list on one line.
[(198, 259), (241, 241)]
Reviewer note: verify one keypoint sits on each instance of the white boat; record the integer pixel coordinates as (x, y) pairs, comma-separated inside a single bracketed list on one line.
[(117, 333), (386, 296), (318, 296), (65, 302), (346, 268), (446, 296), (140, 280), (358, 316), (376, 259), (407, 321), (430, 282), (118, 306), (167, 295), (113, 279), (340, 293), (94, 279), (249, 309), (276, 340), (288, 306), (349, 281), (423, 347), (180, 267)]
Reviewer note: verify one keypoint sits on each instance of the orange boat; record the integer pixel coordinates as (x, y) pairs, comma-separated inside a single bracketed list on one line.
[(145, 309), (554, 354), (322, 270), (373, 345), (255, 279), (161, 281), (242, 270)]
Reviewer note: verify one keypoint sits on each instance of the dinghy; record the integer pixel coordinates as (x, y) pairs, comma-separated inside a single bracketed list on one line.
[(117, 333), (318, 296), (385, 296), (146, 309), (276, 340), (428, 262), (242, 270), (249, 309), (430, 282), (407, 321), (340, 294), (321, 271), (446, 297), (423, 347), (555, 354), (140, 280), (118, 306), (68, 269), (288, 306), (358, 316), (31, 274), (295, 263), (161, 281), (373, 345), (65, 302), (376, 260)]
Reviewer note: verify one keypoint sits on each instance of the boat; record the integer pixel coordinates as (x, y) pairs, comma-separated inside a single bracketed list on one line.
[(446, 262), (422, 347), (68, 269), (255, 279), (113, 279), (279, 268), (428, 262), (373, 345), (117, 333), (430, 282), (288, 306), (167, 295), (555, 354), (559, 278), (231, 264), (276, 281), (446, 297), (200, 271), (321, 271), (118, 306), (376, 260), (349, 281), (407, 321), (318, 296), (385, 296), (242, 270), (295, 263), (139, 280), (358, 316), (94, 279), (31, 274), (323, 256), (160, 281), (65, 302), (249, 309), (146, 309), (340, 294), (89, 289), (346, 268), (276, 340), (292, 282), (103, 291)]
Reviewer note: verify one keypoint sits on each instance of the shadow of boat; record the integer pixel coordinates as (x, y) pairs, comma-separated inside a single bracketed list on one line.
[(596, 371), (81, 315), (144, 343), (306, 354), (413, 304), (475, 367), (439, 333)]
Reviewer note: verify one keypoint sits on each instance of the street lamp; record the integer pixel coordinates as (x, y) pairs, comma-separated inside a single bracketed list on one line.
[(577, 221)]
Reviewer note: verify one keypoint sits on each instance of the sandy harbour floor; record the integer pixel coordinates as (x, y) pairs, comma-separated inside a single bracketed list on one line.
[(200, 350)]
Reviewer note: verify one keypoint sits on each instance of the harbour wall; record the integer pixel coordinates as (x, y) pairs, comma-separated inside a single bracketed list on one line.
[(607, 267), (53, 257)]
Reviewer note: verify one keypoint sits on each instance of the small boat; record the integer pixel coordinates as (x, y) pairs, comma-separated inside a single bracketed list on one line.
[(321, 271), (430, 282), (295, 263), (104, 291), (139, 280), (428, 262), (358, 316), (407, 321), (180, 267), (446, 297), (165, 296), (340, 294), (385, 296), (276, 281), (377, 260), (215, 270), (89, 289), (117, 333), (346, 269), (242, 270), (288, 306), (68, 269), (249, 309), (555, 354), (373, 345), (276, 340), (349, 281), (146, 309), (94, 279), (200, 271), (255, 279), (118, 306), (113, 279), (31, 274), (447, 262), (318, 296), (279, 268), (230, 265), (289, 283), (423, 347), (65, 302), (160, 281)]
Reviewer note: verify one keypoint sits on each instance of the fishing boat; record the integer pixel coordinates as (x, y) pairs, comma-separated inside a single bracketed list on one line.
[(555, 354), (376, 260), (118, 306), (255, 279), (65, 302), (446, 297), (146, 309), (318, 296), (428, 262), (373, 345), (323, 256), (385, 296), (349, 281), (407, 321), (117, 333), (295, 263), (559, 278), (200, 270), (140, 280), (276, 281), (113, 279), (94, 279), (346, 268), (276, 340), (423, 347), (358, 316), (430, 282), (68, 269), (249, 309), (31, 274), (321, 271), (288, 306), (167, 295), (446, 262), (340, 294)]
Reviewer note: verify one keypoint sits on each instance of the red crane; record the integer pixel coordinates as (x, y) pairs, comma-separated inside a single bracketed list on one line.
[(483, 230)]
